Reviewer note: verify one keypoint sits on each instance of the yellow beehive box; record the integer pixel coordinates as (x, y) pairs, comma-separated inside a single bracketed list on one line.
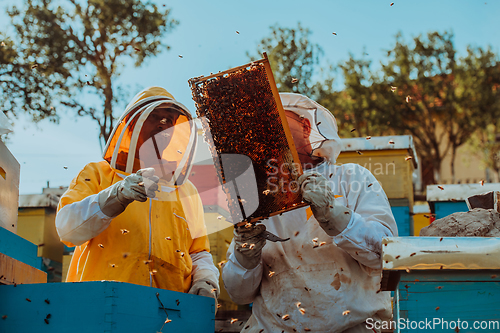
[(391, 159), (36, 222), (421, 217)]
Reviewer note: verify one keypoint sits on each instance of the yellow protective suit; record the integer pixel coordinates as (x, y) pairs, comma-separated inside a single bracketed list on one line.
[(150, 243)]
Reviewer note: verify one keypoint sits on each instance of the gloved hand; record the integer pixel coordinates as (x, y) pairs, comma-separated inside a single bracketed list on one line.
[(205, 288), (332, 216), (138, 186), (248, 244)]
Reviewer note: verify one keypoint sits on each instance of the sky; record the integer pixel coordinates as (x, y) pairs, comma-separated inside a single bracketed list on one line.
[(207, 40)]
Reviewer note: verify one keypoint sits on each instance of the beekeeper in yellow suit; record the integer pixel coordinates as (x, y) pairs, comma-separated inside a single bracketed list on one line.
[(326, 277), (135, 217)]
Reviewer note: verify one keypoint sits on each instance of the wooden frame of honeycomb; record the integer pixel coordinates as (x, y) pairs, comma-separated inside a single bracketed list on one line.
[(241, 113)]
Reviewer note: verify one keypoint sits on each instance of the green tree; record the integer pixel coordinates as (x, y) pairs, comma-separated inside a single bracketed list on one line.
[(294, 60), (422, 98), (357, 104), (481, 70), (20, 84), (77, 49)]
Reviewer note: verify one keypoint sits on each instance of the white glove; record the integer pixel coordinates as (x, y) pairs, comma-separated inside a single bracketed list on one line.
[(248, 244), (138, 186), (330, 214), (205, 288)]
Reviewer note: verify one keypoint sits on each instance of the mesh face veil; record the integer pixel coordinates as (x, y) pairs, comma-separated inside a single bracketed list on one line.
[(154, 131), (324, 138)]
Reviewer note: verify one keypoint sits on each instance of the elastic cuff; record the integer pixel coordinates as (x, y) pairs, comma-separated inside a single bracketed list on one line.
[(343, 234)]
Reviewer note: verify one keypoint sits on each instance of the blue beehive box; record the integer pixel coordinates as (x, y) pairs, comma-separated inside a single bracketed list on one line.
[(448, 199), (443, 284), (403, 219), (105, 306)]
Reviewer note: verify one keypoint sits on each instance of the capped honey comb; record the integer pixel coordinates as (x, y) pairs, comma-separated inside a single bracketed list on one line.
[(242, 114)]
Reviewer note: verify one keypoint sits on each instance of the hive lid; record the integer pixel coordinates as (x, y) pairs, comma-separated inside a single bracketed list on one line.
[(440, 253)]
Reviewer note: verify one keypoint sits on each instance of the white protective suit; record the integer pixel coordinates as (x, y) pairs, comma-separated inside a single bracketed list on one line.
[(342, 274)]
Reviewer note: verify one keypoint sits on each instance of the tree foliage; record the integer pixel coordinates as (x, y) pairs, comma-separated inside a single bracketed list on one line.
[(293, 58), (22, 86), (480, 70), (423, 88), (357, 103), (432, 96), (75, 49)]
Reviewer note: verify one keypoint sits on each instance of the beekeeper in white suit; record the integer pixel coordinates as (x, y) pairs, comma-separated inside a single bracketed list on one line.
[(326, 278)]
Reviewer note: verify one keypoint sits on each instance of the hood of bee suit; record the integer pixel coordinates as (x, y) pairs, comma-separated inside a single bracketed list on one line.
[(324, 137), (121, 150)]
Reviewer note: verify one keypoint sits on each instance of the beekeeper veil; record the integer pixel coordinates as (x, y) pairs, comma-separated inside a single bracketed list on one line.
[(154, 131), (324, 138)]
